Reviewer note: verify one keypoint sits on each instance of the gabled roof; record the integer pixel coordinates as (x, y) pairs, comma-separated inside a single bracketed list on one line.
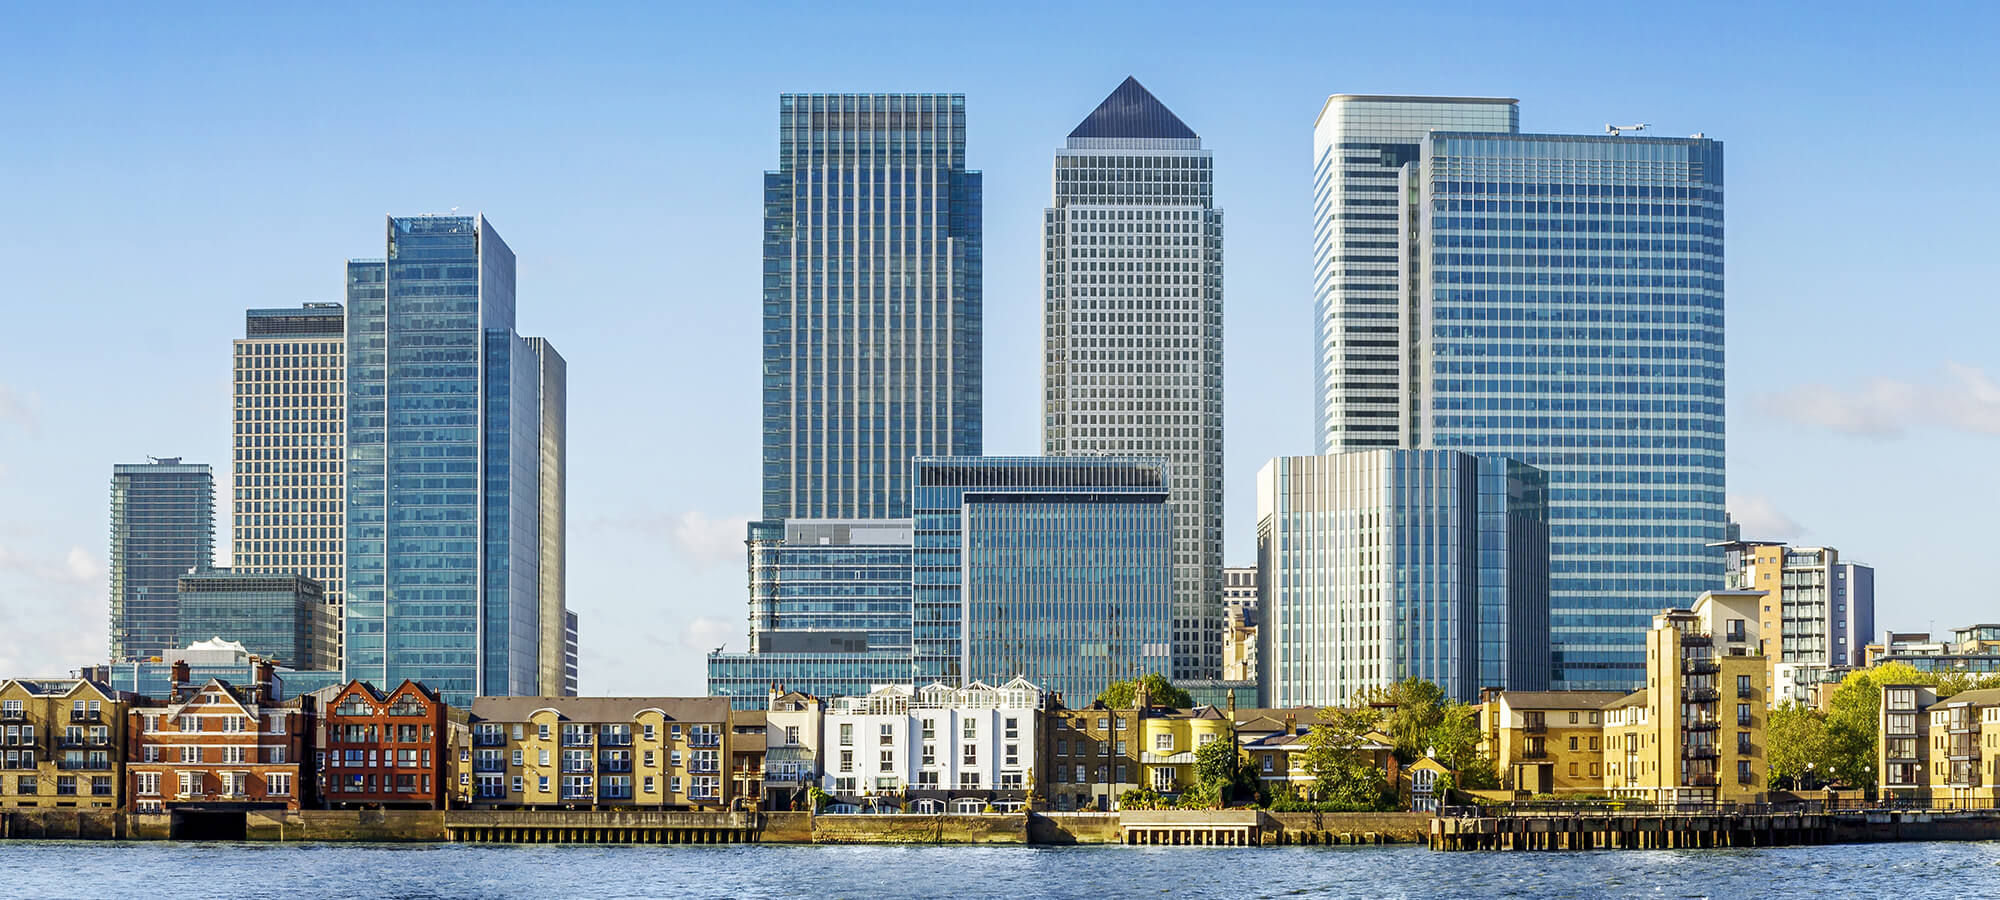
[(612, 710), (1559, 699), (1132, 112), (1636, 698), (1981, 697)]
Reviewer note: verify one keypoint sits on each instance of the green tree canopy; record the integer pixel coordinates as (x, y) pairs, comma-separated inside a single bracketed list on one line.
[(1161, 692), (1341, 771)]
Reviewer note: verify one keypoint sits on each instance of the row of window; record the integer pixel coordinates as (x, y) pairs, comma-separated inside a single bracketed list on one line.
[(612, 787)]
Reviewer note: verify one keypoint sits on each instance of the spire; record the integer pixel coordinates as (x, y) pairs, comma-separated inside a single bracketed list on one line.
[(1132, 112)]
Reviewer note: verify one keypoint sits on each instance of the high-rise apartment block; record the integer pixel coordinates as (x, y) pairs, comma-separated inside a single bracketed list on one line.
[(872, 293), (1557, 299), (1818, 612), (290, 453), (279, 616), (1132, 323), (162, 524), (1381, 565), (446, 511), (1055, 569)]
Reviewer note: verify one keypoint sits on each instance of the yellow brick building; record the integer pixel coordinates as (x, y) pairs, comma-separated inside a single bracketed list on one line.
[(609, 753), (1943, 752), (1167, 744), (61, 743), (1697, 731), (1545, 742)]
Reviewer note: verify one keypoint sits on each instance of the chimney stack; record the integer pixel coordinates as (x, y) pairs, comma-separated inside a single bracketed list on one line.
[(180, 677)]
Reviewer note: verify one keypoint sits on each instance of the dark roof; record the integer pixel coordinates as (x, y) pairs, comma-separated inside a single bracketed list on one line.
[(1636, 698), (1132, 112), (1981, 697), (1561, 699)]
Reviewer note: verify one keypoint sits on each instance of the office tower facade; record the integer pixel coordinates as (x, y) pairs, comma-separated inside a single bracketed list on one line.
[(571, 682), (1365, 316), (280, 616), (1818, 611), (1380, 565), (287, 493), (872, 294), (162, 524), (444, 466), (1558, 301), (553, 387), (829, 610), (1054, 569), (1132, 321)]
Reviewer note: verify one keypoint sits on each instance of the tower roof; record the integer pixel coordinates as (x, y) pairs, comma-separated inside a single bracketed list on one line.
[(1132, 112)]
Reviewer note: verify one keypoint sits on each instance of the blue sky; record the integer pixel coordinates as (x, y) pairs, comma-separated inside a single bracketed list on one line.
[(162, 170)]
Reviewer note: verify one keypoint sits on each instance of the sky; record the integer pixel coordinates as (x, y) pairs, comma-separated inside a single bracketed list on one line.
[(163, 169)]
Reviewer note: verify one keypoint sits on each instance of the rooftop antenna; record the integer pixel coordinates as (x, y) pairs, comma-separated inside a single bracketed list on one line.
[(1615, 130), (454, 209)]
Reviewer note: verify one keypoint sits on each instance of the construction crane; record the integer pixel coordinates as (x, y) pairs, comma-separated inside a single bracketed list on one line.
[(1621, 129)]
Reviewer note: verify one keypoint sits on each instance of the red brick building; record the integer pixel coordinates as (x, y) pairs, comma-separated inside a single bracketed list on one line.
[(219, 747), (403, 749)]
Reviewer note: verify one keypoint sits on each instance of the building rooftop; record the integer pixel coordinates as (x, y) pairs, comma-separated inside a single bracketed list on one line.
[(601, 709), (1132, 112), (1560, 699)]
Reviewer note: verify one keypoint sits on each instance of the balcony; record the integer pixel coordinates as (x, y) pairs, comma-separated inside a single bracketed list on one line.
[(577, 768), (1703, 695), (1535, 753), (615, 740), (1700, 667), (1701, 781), (704, 740), (1701, 725), (1744, 693), (86, 715), (615, 766), (67, 741), (489, 740), (1697, 639), (1699, 752), (1535, 727), (577, 740), (83, 765), (704, 768)]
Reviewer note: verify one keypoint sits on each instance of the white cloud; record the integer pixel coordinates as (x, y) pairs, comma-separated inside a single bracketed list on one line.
[(706, 542), (77, 567), (1962, 398), (705, 633), (1762, 520), (18, 409), (53, 619)]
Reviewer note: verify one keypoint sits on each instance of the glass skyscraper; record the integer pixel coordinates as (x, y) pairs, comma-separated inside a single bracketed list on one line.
[(871, 301), (290, 453), (162, 524), (1380, 565), (1572, 297), (557, 625), (444, 466), (1557, 299), (1132, 321), (1055, 569)]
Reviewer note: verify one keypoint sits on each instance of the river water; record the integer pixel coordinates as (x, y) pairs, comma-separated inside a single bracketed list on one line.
[(310, 871)]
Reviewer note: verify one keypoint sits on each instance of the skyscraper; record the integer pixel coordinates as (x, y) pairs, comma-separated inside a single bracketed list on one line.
[(1556, 299), (280, 616), (871, 301), (1380, 565), (1132, 322), (445, 466), (291, 453), (1366, 315), (1058, 570), (162, 524), (556, 623)]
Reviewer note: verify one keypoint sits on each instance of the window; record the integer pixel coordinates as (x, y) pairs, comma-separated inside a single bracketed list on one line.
[(1572, 746), (647, 731), (648, 785), (274, 755), (1593, 743), (1011, 728), (1572, 718), (190, 783), (149, 784), (1163, 779), (792, 735), (846, 760), (968, 781), (517, 756), (930, 729), (927, 779), (1204, 739), (1743, 742), (278, 784), (1572, 767), (517, 784), (190, 754), (1742, 713), (232, 755), (1010, 755), (886, 734), (971, 755), (846, 734), (971, 729), (543, 755), (190, 723), (542, 730), (1742, 685), (887, 762)]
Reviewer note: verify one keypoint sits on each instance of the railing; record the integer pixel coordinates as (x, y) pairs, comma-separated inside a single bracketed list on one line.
[(481, 765), (615, 740), (1697, 639), (83, 765), (1701, 781), (615, 767), (704, 768), (1744, 693), (577, 740), (1703, 695), (1572, 809), (1701, 667), (577, 768), (699, 739), (483, 740), (1534, 754), (1535, 727), (1699, 753), (1702, 725), (85, 715)]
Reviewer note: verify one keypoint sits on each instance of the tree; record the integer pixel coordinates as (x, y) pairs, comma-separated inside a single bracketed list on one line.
[(1794, 736), (1160, 692), (1341, 772), (1217, 769)]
